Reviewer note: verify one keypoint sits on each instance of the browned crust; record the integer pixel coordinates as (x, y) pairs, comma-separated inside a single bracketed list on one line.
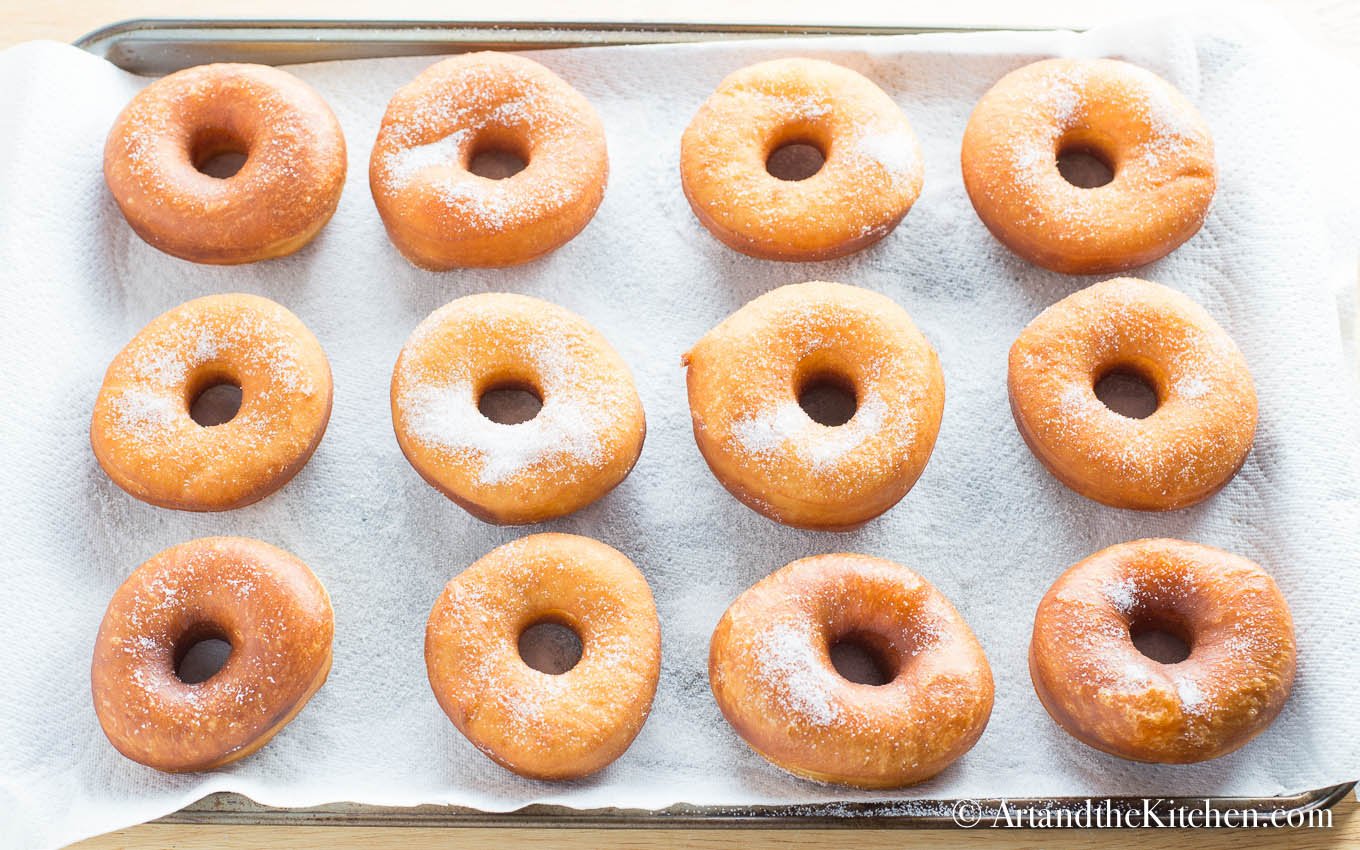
[(944, 687), (270, 209), (132, 677), (1145, 719), (1032, 217)]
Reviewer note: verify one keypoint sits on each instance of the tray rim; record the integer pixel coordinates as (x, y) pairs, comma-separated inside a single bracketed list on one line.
[(446, 36), (233, 808), (430, 37)]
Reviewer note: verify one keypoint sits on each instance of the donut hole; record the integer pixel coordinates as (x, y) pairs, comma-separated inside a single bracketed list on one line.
[(794, 161), (828, 398), (497, 155), (216, 404), (1128, 392), (550, 646), (201, 654), (1084, 166), (862, 659), (218, 153), (1161, 639), (510, 403)]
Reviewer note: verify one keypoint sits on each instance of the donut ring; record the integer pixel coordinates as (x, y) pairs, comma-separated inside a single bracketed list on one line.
[(1153, 141), (439, 214), (1105, 693), (582, 443), (747, 374), (536, 724), (142, 433), (770, 668), (260, 599), (1205, 421), (280, 198), (871, 176)]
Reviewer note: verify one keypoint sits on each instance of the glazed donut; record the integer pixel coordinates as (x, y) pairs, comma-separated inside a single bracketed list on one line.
[(1105, 693), (871, 175), (770, 668), (1149, 136), (745, 380), (1184, 452), (260, 599), (439, 214), (145, 439), (542, 725), (582, 443), (284, 193)]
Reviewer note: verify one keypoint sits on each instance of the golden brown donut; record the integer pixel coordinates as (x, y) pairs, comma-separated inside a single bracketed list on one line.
[(537, 724), (283, 194), (871, 175), (770, 668), (582, 443), (1149, 136), (1105, 693), (145, 439), (439, 214), (747, 374), (1205, 421), (260, 599)]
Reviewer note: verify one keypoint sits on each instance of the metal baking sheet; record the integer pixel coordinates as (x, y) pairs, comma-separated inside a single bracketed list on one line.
[(159, 46)]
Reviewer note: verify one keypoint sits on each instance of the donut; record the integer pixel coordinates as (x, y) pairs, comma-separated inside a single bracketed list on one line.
[(1105, 693), (1142, 129), (1205, 420), (770, 668), (543, 725), (579, 446), (142, 432), (746, 377), (871, 174), (283, 194), (260, 599), (439, 214)]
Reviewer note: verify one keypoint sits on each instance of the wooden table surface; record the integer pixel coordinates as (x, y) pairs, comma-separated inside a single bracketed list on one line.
[(1334, 24)]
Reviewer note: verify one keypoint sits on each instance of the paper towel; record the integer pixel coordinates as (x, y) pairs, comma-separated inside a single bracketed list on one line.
[(1274, 264)]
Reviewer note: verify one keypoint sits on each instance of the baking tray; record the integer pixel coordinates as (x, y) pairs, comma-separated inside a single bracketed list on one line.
[(159, 46)]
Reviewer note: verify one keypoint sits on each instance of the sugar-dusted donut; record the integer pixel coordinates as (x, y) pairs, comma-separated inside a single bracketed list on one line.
[(145, 439), (770, 667), (1205, 420), (261, 600), (543, 725), (283, 194), (747, 374), (871, 175), (1150, 137), (1100, 688), (582, 443), (439, 214)]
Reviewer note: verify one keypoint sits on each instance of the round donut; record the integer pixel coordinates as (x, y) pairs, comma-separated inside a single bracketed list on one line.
[(747, 374), (260, 599), (439, 214), (145, 439), (1205, 420), (1105, 693), (582, 443), (1150, 137), (283, 194), (871, 174), (770, 667), (542, 725)]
